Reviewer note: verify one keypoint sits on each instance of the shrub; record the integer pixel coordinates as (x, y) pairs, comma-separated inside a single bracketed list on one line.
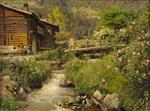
[(117, 18), (9, 104), (50, 55), (89, 76), (4, 65), (108, 32), (57, 54), (31, 73)]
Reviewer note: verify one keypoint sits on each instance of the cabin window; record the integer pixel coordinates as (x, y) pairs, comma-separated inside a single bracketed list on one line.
[(12, 37)]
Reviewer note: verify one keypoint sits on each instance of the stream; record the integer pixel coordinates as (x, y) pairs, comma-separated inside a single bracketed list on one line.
[(50, 95)]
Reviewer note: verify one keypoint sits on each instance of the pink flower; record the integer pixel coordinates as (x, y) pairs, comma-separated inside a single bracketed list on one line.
[(148, 42)]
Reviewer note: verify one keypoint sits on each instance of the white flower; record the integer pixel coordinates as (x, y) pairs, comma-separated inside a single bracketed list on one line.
[(120, 59), (134, 53)]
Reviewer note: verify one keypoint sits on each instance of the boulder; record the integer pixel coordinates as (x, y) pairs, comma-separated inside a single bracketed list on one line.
[(78, 99), (111, 102), (7, 89), (65, 82), (97, 95), (71, 101), (88, 103), (27, 89), (96, 102), (82, 93), (21, 93)]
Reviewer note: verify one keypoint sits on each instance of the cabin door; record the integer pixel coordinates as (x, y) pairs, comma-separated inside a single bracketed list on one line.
[(34, 45)]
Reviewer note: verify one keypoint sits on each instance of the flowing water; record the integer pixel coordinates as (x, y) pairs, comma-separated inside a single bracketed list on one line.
[(49, 96)]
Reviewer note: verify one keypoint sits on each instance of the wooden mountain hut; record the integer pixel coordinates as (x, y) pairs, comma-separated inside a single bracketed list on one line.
[(23, 28)]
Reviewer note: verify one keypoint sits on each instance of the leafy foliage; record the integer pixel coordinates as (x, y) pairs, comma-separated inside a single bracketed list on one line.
[(89, 76), (125, 71), (4, 65), (117, 18), (56, 54), (9, 104), (57, 17), (106, 35), (31, 73)]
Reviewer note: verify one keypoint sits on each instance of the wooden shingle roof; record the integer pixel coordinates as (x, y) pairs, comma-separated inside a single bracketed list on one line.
[(33, 16)]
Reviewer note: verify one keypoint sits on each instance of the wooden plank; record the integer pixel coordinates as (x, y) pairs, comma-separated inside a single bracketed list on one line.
[(16, 39), (16, 17), (13, 13), (1, 39)]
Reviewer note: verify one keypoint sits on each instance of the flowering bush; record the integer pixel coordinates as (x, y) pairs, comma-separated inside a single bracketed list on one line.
[(104, 35), (31, 73), (126, 71), (114, 31)]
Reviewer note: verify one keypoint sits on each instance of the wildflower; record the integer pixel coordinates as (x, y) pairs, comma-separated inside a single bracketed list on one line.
[(139, 38), (138, 54), (134, 53), (147, 34), (116, 68), (103, 80), (119, 51), (133, 23), (109, 66), (148, 42), (137, 71), (120, 59), (129, 60), (147, 60)]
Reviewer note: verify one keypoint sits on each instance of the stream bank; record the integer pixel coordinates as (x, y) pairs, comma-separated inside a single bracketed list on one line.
[(50, 96)]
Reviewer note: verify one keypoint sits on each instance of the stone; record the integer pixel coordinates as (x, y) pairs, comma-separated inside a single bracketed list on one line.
[(78, 99), (7, 89), (111, 102), (27, 89), (21, 93), (96, 102), (88, 104), (74, 108), (6, 78), (84, 97), (81, 93), (11, 85), (59, 103), (65, 82), (97, 95), (83, 102), (71, 101)]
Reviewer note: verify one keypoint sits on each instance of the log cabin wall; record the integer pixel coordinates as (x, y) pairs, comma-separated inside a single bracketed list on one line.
[(2, 38), (16, 28)]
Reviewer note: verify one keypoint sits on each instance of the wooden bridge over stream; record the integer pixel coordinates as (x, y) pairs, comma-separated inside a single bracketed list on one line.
[(100, 50)]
